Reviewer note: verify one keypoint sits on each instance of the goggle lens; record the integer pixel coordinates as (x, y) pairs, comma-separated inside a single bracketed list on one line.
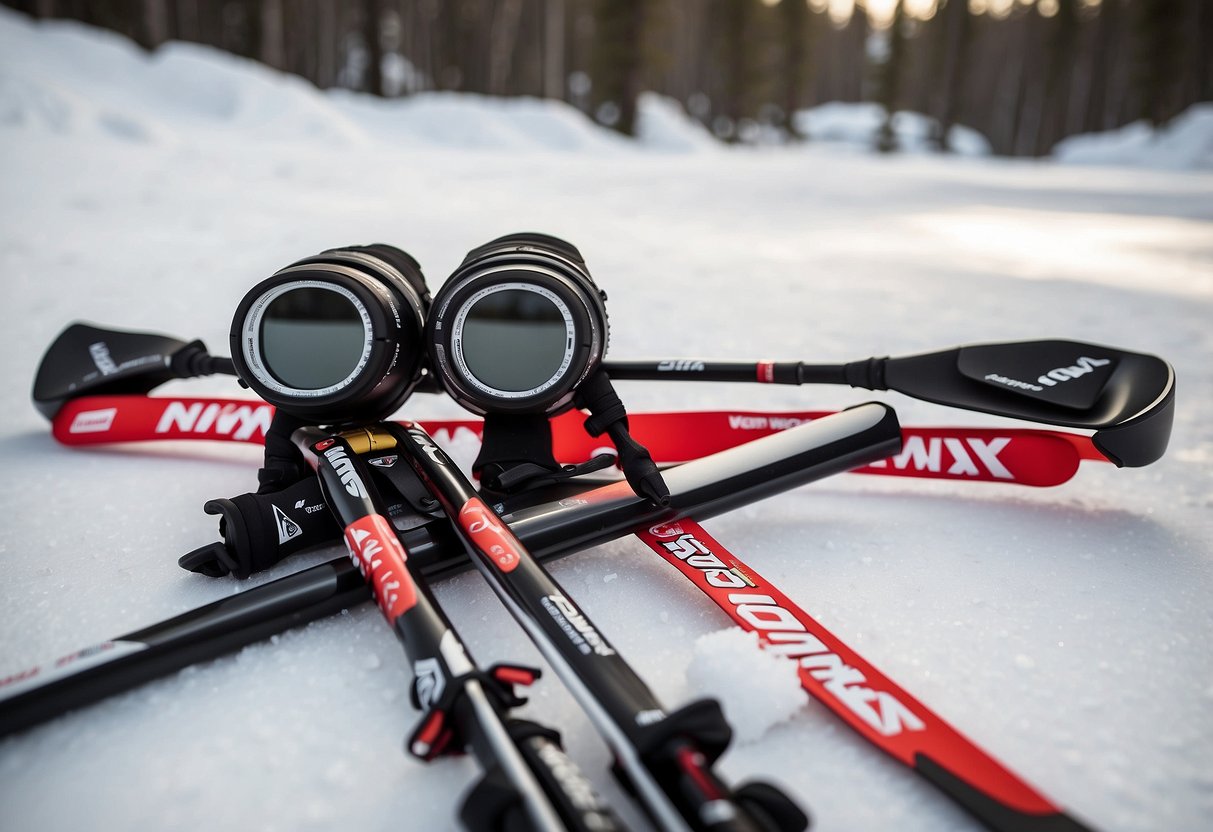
[(312, 338), (515, 340)]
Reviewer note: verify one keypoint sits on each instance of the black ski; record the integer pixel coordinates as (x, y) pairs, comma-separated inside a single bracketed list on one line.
[(703, 488)]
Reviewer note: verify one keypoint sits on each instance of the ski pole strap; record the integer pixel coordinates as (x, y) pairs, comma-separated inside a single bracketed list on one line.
[(1022, 456), (862, 696), (607, 415)]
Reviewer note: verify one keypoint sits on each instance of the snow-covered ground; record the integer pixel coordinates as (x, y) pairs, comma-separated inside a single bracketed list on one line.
[(1065, 630)]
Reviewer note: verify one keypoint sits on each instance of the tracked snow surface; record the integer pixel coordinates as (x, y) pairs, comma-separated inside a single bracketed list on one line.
[(1066, 630)]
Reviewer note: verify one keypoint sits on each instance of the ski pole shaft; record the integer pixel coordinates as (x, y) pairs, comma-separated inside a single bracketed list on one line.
[(666, 759), (763, 372), (463, 706)]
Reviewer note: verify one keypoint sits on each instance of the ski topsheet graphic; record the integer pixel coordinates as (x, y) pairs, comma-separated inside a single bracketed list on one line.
[(862, 696), (1022, 456)]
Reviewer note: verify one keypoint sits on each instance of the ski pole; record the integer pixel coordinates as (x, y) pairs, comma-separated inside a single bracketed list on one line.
[(664, 759), (705, 488), (1127, 398), (465, 708)]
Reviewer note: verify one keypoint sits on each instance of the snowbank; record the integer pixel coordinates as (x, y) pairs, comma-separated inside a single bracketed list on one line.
[(68, 79), (1184, 144), (662, 124), (857, 126)]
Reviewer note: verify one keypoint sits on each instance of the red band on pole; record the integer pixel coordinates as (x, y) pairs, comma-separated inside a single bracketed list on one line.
[(377, 553)]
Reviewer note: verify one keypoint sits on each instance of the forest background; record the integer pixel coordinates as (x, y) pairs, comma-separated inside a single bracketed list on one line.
[(1024, 73)]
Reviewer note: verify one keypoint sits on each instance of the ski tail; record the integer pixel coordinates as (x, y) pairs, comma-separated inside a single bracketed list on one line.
[(837, 676)]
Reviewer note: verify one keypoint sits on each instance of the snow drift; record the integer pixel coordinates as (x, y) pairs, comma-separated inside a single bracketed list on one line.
[(1186, 143)]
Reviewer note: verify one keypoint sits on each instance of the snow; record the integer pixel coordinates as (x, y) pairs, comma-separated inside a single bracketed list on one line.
[(756, 689), (1184, 143), (857, 126), (1065, 630)]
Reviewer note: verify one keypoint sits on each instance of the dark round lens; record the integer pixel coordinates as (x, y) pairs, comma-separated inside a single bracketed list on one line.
[(514, 340), (311, 338)]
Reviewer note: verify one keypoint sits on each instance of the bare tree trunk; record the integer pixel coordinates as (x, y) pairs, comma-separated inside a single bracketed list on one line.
[(327, 50), (633, 73), (372, 18), (957, 29), (273, 34), (795, 22), (553, 48), (153, 29), (505, 37)]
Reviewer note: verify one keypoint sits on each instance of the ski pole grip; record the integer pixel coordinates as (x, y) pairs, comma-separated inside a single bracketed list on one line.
[(258, 530), (868, 374)]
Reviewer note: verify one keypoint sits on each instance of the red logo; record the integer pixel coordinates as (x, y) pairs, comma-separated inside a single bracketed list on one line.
[(489, 534), (380, 558), (666, 530), (325, 444)]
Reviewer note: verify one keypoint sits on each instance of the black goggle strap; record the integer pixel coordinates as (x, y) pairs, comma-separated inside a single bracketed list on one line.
[(608, 415)]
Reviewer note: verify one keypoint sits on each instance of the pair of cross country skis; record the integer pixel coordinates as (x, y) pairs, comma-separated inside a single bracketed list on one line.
[(409, 516)]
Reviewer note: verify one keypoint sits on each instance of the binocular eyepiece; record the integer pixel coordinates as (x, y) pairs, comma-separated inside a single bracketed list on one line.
[(346, 335), (336, 337)]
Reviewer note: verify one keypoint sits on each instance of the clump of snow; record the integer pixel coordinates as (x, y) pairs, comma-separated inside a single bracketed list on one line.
[(68, 78), (1186, 143), (857, 126), (757, 689)]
